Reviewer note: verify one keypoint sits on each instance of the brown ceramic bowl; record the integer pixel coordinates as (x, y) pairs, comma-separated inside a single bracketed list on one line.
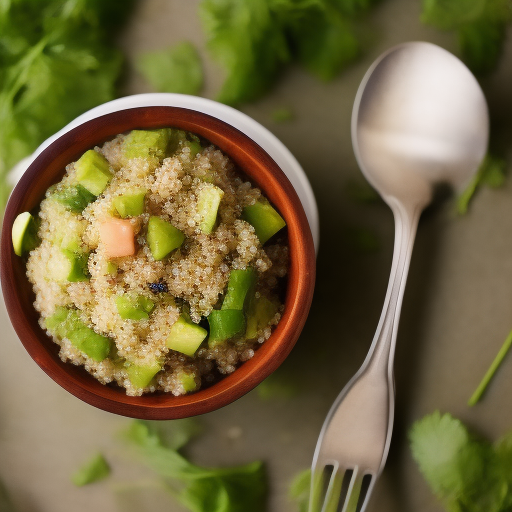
[(48, 168)]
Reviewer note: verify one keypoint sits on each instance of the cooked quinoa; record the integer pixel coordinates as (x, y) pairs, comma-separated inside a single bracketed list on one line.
[(188, 283)]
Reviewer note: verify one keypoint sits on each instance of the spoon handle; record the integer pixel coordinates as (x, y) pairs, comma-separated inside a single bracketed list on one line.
[(381, 354)]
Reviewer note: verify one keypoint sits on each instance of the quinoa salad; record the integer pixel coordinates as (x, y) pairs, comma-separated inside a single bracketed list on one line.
[(156, 265)]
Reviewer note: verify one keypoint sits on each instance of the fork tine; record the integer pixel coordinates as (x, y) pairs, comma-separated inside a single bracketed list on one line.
[(325, 487), (353, 492)]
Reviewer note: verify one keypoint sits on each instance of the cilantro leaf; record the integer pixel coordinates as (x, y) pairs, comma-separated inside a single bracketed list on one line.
[(238, 489), (480, 26), (176, 69), (492, 172), (93, 470)]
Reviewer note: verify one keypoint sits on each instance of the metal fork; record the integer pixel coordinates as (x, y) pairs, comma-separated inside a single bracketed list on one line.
[(419, 118)]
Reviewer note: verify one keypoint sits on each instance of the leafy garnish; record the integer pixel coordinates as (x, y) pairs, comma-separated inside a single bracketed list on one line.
[(279, 385), (299, 490), (282, 115), (238, 489), (56, 61), (480, 26), (466, 473), (94, 470), (475, 397), (492, 173), (176, 69)]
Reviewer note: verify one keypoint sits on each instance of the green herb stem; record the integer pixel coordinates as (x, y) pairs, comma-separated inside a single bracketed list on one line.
[(475, 397)]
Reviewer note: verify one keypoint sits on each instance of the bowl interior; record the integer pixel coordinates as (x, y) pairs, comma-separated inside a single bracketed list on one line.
[(48, 168)]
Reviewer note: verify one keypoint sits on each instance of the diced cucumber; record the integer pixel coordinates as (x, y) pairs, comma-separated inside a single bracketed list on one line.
[(260, 312), (112, 268), (130, 204), (149, 144), (163, 237), (66, 323), (141, 375), (185, 336), (74, 198), (225, 324), (24, 234), (207, 206), (188, 381), (134, 307), (239, 284), (93, 172), (264, 218), (68, 266)]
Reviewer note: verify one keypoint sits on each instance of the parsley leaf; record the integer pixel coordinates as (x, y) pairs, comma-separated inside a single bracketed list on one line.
[(238, 489), (480, 26), (93, 470), (176, 69)]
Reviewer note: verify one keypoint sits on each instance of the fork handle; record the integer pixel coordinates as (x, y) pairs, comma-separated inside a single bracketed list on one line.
[(381, 354)]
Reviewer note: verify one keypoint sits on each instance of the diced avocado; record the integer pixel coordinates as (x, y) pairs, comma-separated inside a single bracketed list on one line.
[(130, 204), (188, 381), (74, 198), (265, 219), (261, 311), (163, 237), (66, 323), (185, 336), (68, 266), (94, 345), (207, 205), (225, 324), (93, 172), (132, 307), (141, 375), (149, 144), (239, 284), (24, 234)]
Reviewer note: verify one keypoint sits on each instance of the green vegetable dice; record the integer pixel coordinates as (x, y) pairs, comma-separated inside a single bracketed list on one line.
[(225, 324), (66, 323), (188, 381), (149, 144), (207, 205), (74, 198), (141, 375), (163, 237), (93, 172), (130, 204), (24, 234), (239, 284), (264, 218), (260, 312), (69, 266), (185, 336), (134, 307)]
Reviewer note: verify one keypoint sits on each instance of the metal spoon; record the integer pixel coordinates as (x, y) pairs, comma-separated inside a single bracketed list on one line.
[(419, 119)]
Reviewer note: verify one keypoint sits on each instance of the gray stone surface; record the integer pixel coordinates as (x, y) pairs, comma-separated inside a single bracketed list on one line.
[(457, 309)]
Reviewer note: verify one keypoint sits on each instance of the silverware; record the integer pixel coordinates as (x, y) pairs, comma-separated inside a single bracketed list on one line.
[(419, 119)]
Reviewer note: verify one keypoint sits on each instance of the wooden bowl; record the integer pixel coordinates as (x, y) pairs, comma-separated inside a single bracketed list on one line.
[(48, 168)]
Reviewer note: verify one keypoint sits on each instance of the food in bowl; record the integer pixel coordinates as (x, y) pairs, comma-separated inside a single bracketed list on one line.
[(154, 263)]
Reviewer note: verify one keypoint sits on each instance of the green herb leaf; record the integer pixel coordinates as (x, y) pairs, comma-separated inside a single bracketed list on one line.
[(282, 115), (491, 173), (177, 69), (299, 490), (93, 470)]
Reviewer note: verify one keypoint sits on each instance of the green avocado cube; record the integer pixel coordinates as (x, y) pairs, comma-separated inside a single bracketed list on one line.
[(66, 323), (93, 172), (74, 198), (69, 266), (134, 307), (141, 375), (149, 144), (92, 344), (225, 324), (239, 284), (208, 201), (163, 237), (188, 381), (130, 204), (264, 218), (24, 234), (185, 336), (260, 312)]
